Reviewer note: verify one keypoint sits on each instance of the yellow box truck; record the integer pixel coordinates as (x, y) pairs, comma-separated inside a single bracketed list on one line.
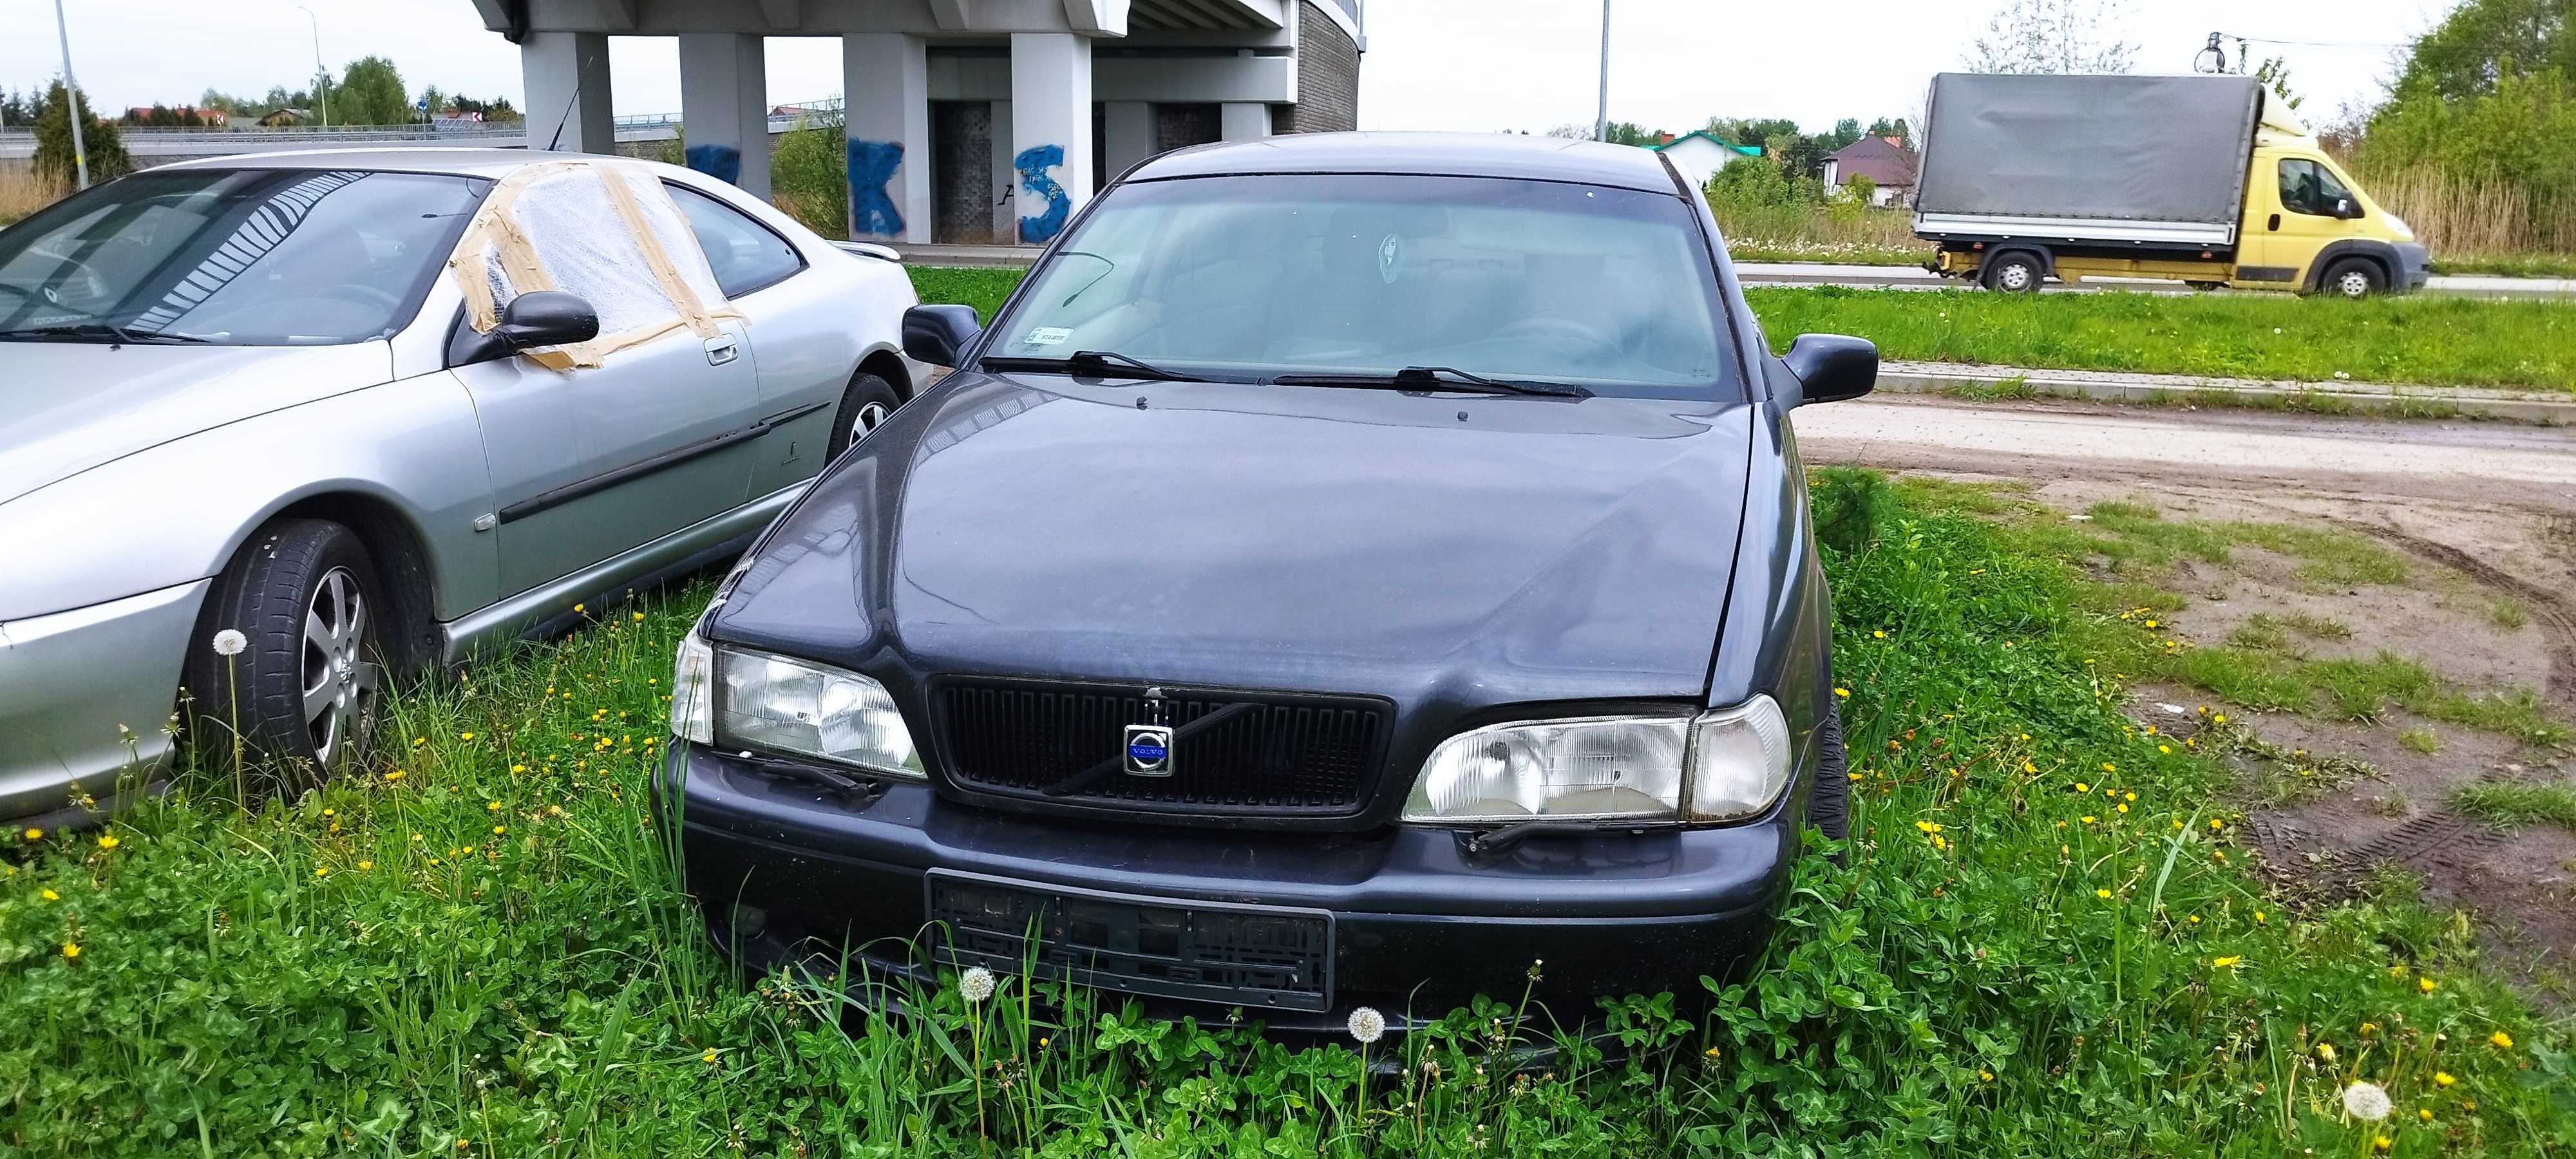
[(2206, 180)]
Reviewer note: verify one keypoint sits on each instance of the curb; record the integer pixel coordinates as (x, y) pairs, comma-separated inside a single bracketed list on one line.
[(2004, 382)]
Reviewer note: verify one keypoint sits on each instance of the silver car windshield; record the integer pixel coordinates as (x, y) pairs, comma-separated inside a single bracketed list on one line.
[(256, 257), (1253, 278)]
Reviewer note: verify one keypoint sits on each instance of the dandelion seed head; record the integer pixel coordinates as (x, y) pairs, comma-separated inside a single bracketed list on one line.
[(976, 984), (230, 642), (2365, 1101), (1367, 1025)]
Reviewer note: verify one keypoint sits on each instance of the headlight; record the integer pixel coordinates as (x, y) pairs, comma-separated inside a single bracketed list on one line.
[(1717, 766), (754, 700), (2399, 224)]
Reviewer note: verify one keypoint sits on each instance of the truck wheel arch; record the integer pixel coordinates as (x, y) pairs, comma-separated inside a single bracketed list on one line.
[(2380, 252)]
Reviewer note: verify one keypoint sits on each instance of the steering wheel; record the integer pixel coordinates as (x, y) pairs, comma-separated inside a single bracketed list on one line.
[(1591, 341)]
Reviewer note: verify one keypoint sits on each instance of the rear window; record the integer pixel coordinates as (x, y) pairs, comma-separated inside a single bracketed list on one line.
[(1249, 277)]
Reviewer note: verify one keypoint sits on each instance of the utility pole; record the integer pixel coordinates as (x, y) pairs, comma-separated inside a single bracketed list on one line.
[(72, 97), (1600, 119), (321, 73)]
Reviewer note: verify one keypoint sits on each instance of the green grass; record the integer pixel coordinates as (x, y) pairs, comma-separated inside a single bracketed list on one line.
[(488, 955), (2509, 265), (2508, 613), (2425, 340), (2421, 740), (2519, 802), (2422, 340)]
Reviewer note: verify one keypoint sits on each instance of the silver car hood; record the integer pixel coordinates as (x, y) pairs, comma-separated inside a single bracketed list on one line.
[(66, 407)]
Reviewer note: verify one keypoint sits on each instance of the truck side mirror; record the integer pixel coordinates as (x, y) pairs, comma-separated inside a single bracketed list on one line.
[(1832, 367), (935, 334), (2346, 208)]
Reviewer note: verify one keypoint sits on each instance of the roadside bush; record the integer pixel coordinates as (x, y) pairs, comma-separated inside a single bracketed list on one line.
[(101, 142), (1849, 505), (809, 178)]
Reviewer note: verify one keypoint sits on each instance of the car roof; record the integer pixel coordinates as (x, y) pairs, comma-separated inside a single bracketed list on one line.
[(462, 161), (1508, 155)]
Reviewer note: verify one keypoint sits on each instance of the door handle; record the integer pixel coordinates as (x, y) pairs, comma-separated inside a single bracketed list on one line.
[(2276, 223), (721, 349)]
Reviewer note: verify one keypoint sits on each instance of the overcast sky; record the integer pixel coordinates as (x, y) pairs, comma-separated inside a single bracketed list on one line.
[(1432, 64)]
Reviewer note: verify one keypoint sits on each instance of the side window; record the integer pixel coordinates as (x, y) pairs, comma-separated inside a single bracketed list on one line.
[(745, 255), (2307, 187)]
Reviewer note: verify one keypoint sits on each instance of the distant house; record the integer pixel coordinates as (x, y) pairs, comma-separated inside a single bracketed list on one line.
[(1699, 155), (1888, 164), (276, 117)]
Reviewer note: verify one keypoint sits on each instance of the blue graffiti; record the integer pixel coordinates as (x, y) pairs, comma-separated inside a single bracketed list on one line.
[(872, 166), (722, 162), (1033, 163)]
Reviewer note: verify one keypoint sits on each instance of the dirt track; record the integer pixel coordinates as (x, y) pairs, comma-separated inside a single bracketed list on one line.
[(2490, 507)]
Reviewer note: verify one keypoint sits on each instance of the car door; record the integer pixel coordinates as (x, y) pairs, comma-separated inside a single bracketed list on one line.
[(590, 463), (2301, 220), (806, 353)]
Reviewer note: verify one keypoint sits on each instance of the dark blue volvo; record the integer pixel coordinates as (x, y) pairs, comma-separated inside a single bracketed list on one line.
[(1349, 568)]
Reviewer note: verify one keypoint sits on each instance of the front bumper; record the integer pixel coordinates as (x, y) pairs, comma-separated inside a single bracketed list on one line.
[(85, 696), (2414, 265), (1417, 923)]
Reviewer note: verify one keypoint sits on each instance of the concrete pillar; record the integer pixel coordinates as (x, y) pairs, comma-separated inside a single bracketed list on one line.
[(887, 81), (565, 77), (1243, 121), (1126, 134), (1050, 130), (1006, 180), (724, 108)]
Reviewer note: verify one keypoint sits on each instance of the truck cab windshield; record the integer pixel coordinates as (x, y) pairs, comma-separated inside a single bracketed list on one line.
[(1241, 278)]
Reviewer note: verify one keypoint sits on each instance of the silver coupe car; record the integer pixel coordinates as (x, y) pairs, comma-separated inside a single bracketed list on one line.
[(279, 430)]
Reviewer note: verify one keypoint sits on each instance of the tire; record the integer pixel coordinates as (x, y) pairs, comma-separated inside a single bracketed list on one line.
[(2016, 272), (1829, 803), (2206, 287), (865, 404), (307, 688), (2354, 278)]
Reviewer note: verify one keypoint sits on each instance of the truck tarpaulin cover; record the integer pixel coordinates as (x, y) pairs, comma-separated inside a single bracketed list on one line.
[(2128, 148)]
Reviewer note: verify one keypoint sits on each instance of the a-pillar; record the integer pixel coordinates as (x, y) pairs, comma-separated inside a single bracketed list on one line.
[(724, 108), (886, 79), (565, 77), (1050, 130), (1243, 121), (1126, 135)]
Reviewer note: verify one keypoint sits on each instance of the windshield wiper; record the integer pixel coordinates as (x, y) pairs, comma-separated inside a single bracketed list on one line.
[(96, 331), (1099, 362), (1431, 378)]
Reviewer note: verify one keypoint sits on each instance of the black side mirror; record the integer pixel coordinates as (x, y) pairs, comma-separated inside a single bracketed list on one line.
[(936, 334), (2347, 208), (546, 318), (1832, 367)]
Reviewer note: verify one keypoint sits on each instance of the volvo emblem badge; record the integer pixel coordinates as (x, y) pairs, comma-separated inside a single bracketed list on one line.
[(1149, 750)]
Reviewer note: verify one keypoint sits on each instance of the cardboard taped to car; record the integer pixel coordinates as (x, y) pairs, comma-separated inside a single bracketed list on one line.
[(606, 231)]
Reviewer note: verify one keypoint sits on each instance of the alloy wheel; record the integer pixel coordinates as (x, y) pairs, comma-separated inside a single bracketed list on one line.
[(869, 418), (339, 683), (2354, 284)]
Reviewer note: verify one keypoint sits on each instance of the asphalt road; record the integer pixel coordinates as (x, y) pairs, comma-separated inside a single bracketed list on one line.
[(2467, 462)]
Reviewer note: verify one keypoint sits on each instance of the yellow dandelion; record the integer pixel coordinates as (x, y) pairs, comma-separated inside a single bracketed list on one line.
[(497, 830), (518, 768), (1985, 1076), (2229, 962), (2501, 1039), (2326, 1051), (395, 775), (2102, 893), (1709, 1053), (2426, 984), (321, 871), (1880, 634), (107, 841), (639, 617), (576, 607), (2442, 1078), (465, 736), (1842, 692), (2164, 748), (2258, 917), (52, 896), (35, 834), (2088, 818), (2381, 1142), (2424, 1114), (494, 806), (2108, 767), (709, 1056), (2122, 808), (2081, 787), (71, 949)]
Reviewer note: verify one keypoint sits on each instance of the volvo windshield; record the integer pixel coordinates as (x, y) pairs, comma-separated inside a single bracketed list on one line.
[(1421, 282), (264, 257)]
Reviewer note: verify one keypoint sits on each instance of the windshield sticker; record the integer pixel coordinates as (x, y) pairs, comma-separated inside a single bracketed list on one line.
[(1390, 258), (1046, 336)]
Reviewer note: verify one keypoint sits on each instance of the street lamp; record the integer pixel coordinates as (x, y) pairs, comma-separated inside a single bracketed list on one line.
[(321, 74), (71, 97), (1601, 119)]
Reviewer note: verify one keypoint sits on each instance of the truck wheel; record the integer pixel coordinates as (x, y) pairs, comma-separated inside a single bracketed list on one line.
[(2014, 273), (306, 686), (2206, 287), (1829, 804), (2355, 278)]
